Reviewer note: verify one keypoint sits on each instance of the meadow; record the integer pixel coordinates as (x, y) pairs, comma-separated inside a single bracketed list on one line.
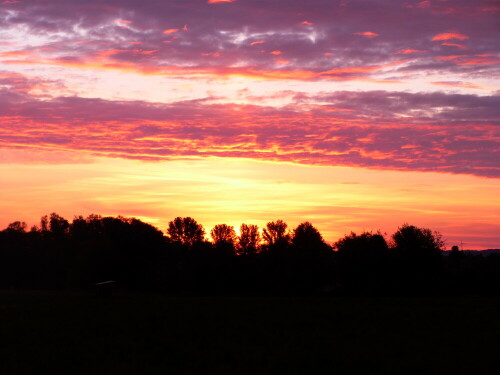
[(80, 333)]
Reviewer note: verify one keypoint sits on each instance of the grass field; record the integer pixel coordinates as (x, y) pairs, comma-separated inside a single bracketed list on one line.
[(54, 333)]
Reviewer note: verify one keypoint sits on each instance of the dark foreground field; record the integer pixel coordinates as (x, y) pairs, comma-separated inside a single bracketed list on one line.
[(83, 334)]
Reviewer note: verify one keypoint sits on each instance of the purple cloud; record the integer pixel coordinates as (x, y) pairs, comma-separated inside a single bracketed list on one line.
[(317, 37), (378, 129)]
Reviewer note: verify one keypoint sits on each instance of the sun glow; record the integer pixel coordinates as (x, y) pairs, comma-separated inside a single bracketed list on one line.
[(234, 191), (239, 111)]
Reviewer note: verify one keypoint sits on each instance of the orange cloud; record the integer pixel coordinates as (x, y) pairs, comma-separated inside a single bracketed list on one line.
[(370, 34), (170, 31), (220, 1), (408, 51), (449, 36), (257, 42), (276, 53), (306, 23)]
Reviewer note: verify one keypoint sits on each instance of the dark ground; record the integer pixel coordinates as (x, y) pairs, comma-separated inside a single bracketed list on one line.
[(55, 333)]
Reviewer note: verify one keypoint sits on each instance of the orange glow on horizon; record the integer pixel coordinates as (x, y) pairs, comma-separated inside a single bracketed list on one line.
[(336, 200)]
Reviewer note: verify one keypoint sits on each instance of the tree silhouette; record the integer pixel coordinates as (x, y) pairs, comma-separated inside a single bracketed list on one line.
[(58, 225), (366, 245), (249, 239), (415, 241), (224, 238), (362, 260), (419, 257), (275, 232), (455, 251), (223, 233), (17, 226), (185, 230), (307, 238), (60, 255), (44, 223)]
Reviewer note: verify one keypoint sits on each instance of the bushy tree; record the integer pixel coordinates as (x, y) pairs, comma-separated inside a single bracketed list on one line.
[(223, 233), (418, 252), (58, 225), (366, 245), (363, 261), (17, 226), (417, 242), (306, 237), (185, 230)]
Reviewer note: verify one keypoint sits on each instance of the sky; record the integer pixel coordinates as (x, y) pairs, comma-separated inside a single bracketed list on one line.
[(353, 114)]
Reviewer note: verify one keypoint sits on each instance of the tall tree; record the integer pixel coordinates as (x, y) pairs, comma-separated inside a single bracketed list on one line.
[(185, 230), (249, 239), (224, 236), (275, 231)]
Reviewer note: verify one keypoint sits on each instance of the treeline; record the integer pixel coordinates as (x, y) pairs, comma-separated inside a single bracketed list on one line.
[(76, 255)]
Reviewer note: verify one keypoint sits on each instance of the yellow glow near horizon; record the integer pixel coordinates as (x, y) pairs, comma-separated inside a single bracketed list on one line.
[(233, 191)]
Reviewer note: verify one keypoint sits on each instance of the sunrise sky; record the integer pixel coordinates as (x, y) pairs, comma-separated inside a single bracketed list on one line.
[(355, 115)]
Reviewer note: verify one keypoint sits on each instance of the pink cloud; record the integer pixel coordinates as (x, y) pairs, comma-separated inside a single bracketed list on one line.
[(450, 36), (424, 4), (334, 34), (466, 85), (459, 46), (447, 132), (369, 34), (463, 60), (408, 51)]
